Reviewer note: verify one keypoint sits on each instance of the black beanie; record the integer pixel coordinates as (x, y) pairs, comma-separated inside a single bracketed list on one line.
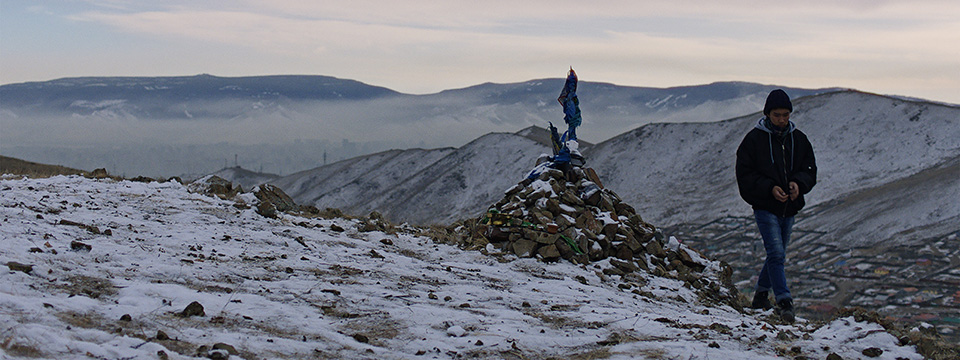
[(777, 99)]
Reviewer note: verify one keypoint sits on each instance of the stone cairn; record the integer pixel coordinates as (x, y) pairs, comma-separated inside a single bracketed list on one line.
[(569, 215)]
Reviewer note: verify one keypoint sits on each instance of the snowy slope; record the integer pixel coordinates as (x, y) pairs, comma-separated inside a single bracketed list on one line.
[(463, 183), (296, 288), (910, 210), (684, 172), (351, 185)]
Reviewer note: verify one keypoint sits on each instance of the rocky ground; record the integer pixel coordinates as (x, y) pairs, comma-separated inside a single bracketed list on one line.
[(117, 269)]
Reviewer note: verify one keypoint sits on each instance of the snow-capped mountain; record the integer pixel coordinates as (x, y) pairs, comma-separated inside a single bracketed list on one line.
[(120, 270), (115, 123), (683, 172)]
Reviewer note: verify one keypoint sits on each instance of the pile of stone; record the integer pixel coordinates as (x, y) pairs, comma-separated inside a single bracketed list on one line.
[(569, 215)]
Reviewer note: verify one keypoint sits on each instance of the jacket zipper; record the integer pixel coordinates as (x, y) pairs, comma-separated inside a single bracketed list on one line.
[(783, 155)]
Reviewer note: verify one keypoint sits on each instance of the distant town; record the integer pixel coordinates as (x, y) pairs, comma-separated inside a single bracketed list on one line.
[(912, 284)]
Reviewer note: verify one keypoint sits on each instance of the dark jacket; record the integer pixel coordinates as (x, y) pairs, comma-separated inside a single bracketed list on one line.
[(766, 159)]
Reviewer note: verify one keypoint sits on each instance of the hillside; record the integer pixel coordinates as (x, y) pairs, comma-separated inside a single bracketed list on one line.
[(911, 209), (683, 172), (861, 140), (880, 228), (352, 185), (108, 269), (9, 165)]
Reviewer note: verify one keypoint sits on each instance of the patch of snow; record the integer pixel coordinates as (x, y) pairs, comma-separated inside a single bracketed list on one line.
[(295, 287)]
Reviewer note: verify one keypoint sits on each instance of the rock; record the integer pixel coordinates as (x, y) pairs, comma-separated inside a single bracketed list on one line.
[(549, 252), (194, 309), (162, 335), (624, 209), (587, 221), (570, 197), (654, 248), (79, 246), (606, 204), (632, 242), (524, 248), (565, 250), (553, 206), (613, 271), (625, 266), (143, 179), (361, 338), (513, 190), (623, 252), (15, 266), (546, 238), (272, 194), (456, 331), (215, 186), (497, 234), (592, 198), (229, 348), (872, 352), (610, 230), (218, 355), (834, 356), (642, 263), (100, 173), (563, 221), (267, 210), (126, 317), (635, 220)]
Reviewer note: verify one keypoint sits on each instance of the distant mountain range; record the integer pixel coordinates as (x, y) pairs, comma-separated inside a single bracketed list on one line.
[(883, 161), (166, 126)]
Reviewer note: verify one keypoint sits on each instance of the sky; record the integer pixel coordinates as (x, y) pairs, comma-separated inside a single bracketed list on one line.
[(909, 48)]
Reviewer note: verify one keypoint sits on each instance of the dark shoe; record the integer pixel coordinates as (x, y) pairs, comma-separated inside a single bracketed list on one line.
[(785, 309), (761, 300)]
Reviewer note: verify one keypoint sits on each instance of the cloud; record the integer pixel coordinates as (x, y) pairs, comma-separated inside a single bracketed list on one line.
[(426, 45)]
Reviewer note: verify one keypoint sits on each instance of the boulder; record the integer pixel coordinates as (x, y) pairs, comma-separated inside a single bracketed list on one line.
[(272, 194), (524, 248), (215, 186), (549, 252)]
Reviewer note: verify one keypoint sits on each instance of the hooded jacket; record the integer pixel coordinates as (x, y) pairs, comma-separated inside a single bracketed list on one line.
[(767, 158)]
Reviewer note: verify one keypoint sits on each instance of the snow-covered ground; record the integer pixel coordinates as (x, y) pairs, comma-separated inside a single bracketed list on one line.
[(298, 287)]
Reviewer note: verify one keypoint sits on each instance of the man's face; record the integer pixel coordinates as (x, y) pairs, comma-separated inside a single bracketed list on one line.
[(779, 117)]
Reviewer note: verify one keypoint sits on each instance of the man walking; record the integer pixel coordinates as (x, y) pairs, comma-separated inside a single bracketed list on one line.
[(775, 168)]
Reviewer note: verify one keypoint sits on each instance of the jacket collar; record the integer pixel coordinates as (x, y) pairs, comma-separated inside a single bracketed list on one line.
[(762, 125)]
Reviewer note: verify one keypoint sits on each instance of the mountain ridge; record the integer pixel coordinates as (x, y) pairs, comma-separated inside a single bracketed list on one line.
[(659, 167), (105, 122)]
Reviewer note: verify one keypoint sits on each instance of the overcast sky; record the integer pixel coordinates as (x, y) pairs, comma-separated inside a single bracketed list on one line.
[(907, 48)]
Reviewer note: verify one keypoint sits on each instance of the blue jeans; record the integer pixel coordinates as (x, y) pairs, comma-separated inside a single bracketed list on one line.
[(775, 231)]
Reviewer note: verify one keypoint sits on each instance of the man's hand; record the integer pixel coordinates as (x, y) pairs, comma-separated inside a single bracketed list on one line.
[(779, 194), (794, 190)]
